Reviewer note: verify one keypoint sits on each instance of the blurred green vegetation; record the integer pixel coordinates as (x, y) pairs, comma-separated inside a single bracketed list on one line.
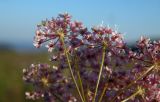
[(12, 87)]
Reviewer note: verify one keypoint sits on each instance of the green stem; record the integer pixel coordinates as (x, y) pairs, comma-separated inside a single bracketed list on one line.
[(58, 97), (133, 82), (103, 92), (81, 86), (99, 76), (70, 69), (79, 78), (130, 97)]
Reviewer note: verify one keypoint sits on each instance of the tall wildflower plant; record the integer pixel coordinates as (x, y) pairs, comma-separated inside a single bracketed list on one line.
[(93, 65)]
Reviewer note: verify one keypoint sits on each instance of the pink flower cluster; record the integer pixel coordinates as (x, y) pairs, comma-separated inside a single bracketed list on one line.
[(125, 71)]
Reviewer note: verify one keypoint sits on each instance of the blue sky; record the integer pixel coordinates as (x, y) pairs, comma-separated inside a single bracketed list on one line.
[(18, 18)]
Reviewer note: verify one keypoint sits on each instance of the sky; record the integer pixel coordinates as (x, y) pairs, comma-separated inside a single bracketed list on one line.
[(133, 18)]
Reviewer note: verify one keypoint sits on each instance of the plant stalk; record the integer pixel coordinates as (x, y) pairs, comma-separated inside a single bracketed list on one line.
[(99, 76), (103, 92), (133, 82), (79, 78), (130, 97), (58, 97), (70, 69)]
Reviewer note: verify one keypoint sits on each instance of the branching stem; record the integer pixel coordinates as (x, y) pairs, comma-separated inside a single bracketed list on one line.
[(103, 92), (133, 82), (70, 69), (99, 76)]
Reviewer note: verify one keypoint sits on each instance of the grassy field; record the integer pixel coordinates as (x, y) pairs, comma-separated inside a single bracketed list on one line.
[(12, 87)]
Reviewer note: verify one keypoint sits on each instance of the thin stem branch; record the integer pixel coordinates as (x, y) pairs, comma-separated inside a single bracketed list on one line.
[(133, 82), (99, 76), (103, 92), (140, 91), (130, 97), (70, 69), (81, 86), (79, 77), (58, 97)]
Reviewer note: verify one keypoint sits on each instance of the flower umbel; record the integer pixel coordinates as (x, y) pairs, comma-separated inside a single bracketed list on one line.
[(93, 65)]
